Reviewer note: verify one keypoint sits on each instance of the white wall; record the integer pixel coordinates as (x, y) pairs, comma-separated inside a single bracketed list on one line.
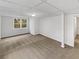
[(52, 27), (78, 25), (34, 25), (56, 27), (69, 30), (0, 27), (8, 28), (59, 28)]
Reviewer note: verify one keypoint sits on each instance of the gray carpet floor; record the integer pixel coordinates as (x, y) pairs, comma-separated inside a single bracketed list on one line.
[(35, 47)]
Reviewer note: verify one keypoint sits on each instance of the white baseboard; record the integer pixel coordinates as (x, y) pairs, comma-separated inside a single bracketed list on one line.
[(62, 44)]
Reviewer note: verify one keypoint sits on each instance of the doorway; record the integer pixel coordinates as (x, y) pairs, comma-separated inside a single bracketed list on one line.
[(77, 32)]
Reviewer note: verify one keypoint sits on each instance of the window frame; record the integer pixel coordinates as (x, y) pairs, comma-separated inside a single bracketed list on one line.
[(21, 23)]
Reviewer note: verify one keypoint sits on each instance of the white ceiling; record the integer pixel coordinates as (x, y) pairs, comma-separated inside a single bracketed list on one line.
[(66, 5), (39, 7)]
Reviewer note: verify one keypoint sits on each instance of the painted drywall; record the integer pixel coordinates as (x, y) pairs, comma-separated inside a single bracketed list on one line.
[(69, 30), (75, 27), (7, 28), (0, 27), (61, 28), (34, 25), (78, 25), (52, 27)]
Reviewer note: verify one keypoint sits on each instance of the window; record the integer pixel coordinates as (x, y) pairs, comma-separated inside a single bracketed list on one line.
[(24, 23), (17, 23), (20, 23)]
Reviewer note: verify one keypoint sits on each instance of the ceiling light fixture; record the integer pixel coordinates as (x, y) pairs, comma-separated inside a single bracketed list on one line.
[(33, 15)]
